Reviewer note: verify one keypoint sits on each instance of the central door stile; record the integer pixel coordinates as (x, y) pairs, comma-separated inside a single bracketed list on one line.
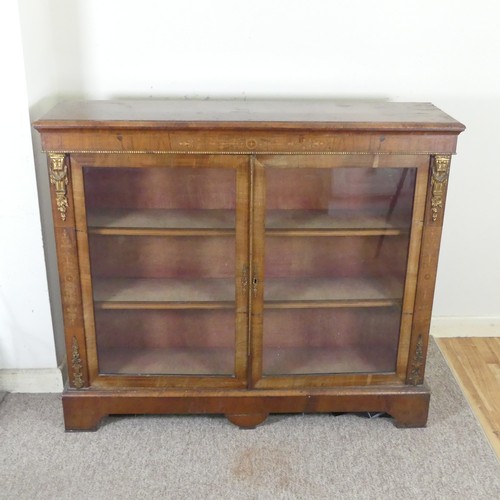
[(249, 268), (256, 286), (243, 270)]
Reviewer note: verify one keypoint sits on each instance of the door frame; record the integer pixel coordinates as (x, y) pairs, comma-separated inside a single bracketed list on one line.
[(164, 160), (257, 226)]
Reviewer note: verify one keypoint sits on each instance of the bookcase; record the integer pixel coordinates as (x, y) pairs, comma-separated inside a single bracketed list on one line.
[(247, 257)]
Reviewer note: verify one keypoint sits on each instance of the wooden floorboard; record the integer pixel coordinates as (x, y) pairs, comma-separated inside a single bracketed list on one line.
[(475, 362)]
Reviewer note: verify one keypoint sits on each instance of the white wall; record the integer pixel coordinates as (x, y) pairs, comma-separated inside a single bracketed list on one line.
[(53, 72), (26, 339), (441, 51)]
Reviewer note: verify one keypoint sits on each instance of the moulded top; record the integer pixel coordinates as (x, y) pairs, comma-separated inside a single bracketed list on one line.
[(249, 114)]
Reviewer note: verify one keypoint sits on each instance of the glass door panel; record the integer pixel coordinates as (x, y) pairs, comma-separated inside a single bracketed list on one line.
[(339, 198), (335, 258), (163, 246), (166, 341), (329, 340)]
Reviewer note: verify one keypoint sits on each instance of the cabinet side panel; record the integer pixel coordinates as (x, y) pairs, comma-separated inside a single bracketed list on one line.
[(69, 274), (429, 254)]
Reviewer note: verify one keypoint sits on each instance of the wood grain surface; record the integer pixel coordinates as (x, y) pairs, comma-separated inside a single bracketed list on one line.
[(361, 231), (475, 362), (376, 115)]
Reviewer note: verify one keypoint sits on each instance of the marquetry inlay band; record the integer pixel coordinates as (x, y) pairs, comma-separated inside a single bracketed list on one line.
[(247, 153)]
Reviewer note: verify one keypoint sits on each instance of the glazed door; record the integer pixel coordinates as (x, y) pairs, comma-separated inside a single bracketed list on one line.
[(163, 251), (335, 249)]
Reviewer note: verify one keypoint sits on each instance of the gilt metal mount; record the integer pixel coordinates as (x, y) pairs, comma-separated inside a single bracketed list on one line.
[(59, 178), (440, 169), (418, 362), (76, 364)]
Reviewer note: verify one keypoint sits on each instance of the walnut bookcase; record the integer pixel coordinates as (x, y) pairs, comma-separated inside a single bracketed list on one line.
[(247, 258)]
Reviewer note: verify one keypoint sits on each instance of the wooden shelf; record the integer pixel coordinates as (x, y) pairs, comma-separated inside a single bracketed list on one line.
[(215, 293), (219, 293), (220, 361), (365, 358), (159, 222), (340, 223), (332, 292), (166, 361)]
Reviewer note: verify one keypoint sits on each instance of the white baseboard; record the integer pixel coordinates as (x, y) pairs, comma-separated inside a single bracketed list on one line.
[(466, 326), (31, 380)]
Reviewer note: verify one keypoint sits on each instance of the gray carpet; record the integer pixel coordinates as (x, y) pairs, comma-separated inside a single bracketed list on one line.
[(289, 457)]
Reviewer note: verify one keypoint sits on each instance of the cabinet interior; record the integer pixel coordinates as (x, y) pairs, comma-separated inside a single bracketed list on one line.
[(164, 268)]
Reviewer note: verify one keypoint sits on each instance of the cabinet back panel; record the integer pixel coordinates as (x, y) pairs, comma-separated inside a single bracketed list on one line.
[(331, 327), (335, 256), (384, 190), (162, 257), (165, 328), (164, 188)]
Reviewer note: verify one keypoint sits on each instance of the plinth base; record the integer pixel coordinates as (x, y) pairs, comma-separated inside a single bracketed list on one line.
[(84, 409)]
